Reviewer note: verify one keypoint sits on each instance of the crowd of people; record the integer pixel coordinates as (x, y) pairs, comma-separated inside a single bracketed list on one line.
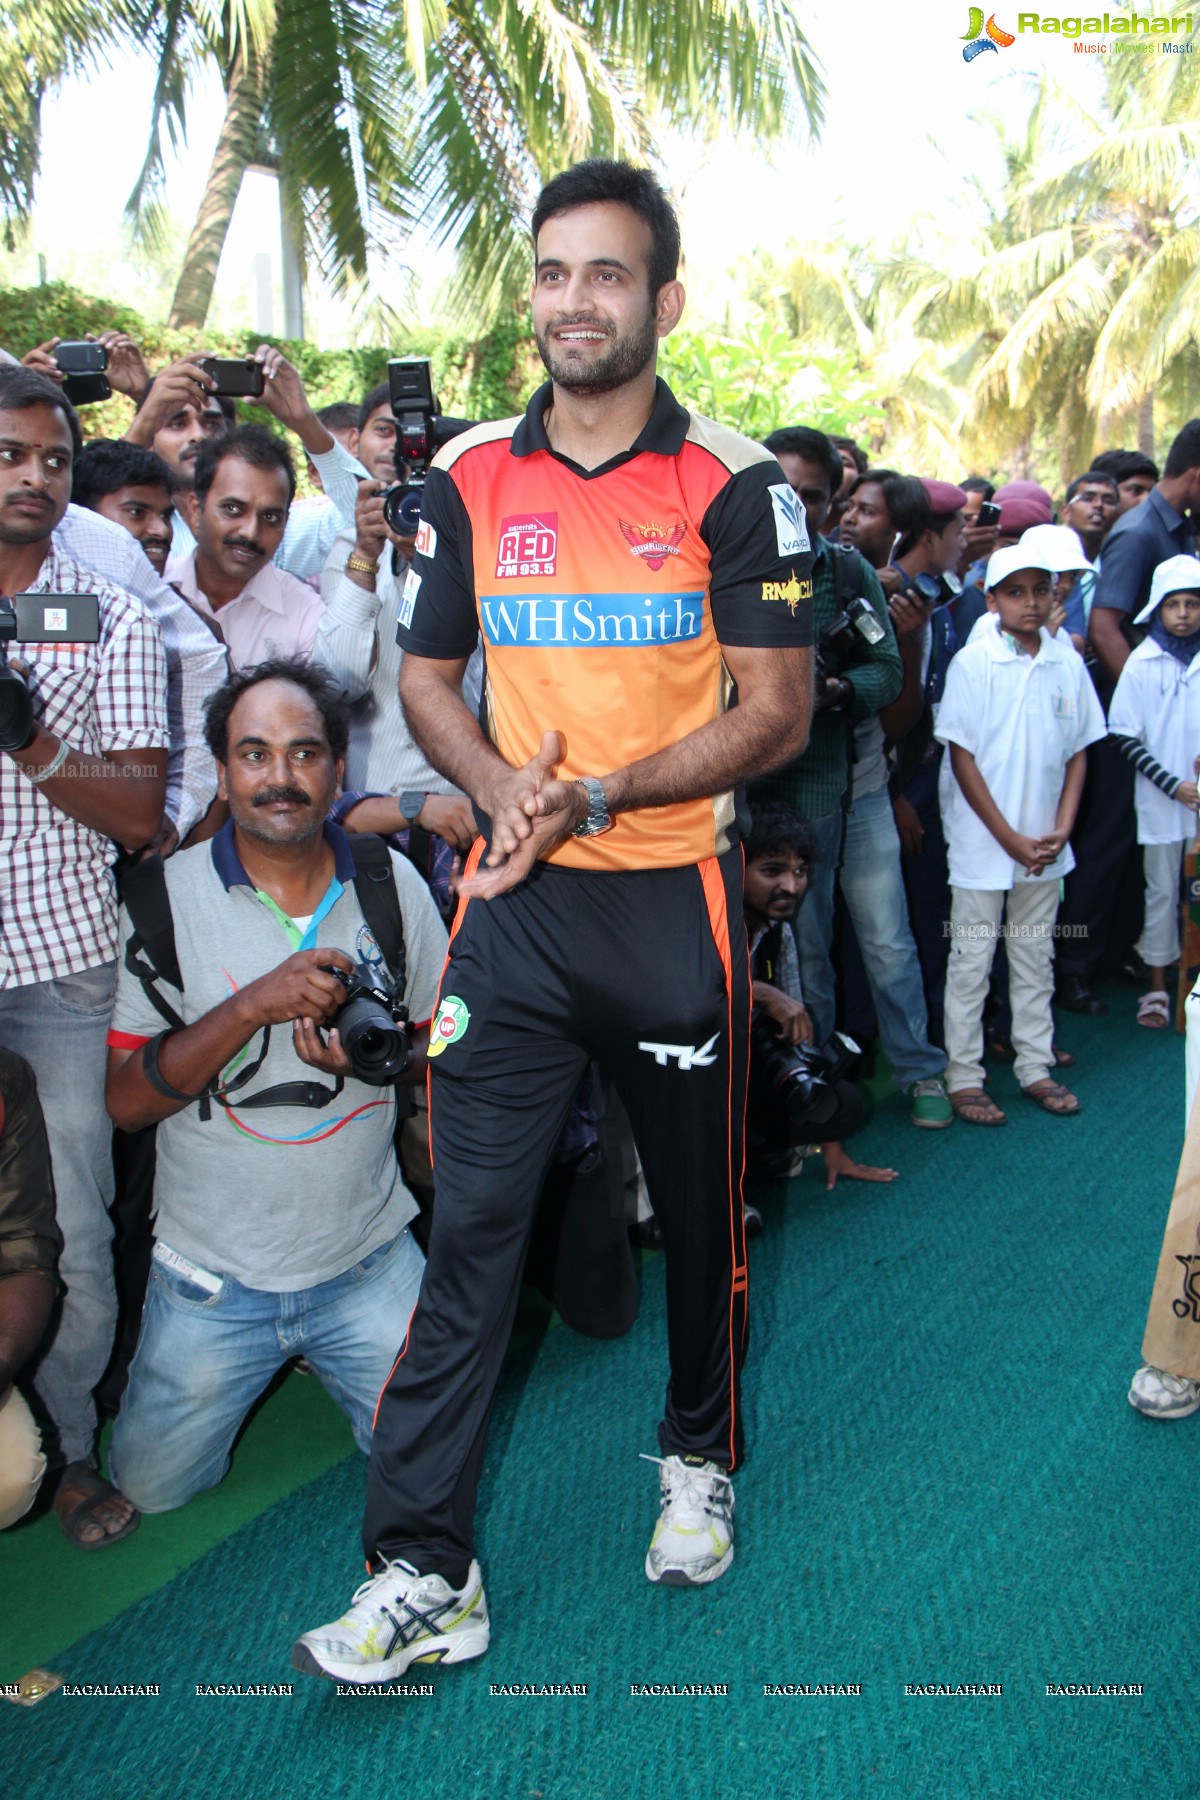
[(961, 774)]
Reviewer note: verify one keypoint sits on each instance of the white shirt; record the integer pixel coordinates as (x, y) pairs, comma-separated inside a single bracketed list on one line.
[(1022, 718), (196, 663), (274, 615), (356, 642), (1157, 701), (310, 530)]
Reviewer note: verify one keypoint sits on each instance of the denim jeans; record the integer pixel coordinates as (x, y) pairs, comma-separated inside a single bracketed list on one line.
[(873, 888), (813, 925), (204, 1358), (60, 1028)]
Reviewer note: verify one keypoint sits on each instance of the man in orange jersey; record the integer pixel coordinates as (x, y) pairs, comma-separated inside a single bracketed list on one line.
[(627, 565)]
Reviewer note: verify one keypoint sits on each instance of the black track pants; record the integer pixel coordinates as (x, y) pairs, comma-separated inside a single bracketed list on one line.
[(647, 973)]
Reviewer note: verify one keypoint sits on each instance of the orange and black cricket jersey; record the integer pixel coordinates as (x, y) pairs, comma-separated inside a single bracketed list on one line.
[(604, 596)]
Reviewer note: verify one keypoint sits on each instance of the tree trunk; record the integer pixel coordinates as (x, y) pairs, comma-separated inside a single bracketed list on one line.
[(235, 150), (1145, 424)]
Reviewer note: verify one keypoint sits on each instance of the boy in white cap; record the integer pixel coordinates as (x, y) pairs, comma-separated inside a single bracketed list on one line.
[(1018, 712), (1155, 717)]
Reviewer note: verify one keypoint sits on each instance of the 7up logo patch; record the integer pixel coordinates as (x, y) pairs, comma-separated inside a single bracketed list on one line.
[(450, 1023)]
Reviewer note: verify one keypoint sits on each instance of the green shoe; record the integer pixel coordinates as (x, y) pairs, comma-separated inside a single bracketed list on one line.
[(931, 1108)]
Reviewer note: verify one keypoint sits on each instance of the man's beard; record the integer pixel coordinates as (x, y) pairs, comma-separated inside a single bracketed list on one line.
[(623, 361)]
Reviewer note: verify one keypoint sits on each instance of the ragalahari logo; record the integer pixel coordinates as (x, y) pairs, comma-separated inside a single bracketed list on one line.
[(975, 40)]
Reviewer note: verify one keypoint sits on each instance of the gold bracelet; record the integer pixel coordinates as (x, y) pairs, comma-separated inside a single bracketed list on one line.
[(361, 566)]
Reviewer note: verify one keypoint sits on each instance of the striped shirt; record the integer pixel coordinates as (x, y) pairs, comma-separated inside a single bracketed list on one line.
[(196, 663), (58, 906), (356, 642)]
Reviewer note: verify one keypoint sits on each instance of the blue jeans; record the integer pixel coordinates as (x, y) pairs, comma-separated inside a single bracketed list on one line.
[(60, 1028), (873, 888), (813, 925), (203, 1359)]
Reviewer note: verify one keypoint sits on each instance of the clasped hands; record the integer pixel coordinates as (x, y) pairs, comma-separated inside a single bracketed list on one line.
[(532, 812)]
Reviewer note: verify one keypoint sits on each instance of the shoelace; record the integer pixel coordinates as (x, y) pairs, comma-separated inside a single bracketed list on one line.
[(683, 1478), (389, 1568)]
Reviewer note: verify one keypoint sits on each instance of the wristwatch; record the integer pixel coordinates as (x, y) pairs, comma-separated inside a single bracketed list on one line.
[(597, 814), (411, 804), (360, 564)]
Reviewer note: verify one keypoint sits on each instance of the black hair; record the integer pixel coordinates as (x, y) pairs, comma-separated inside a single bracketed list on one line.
[(860, 458), (341, 415), (223, 403), (906, 501), (108, 464), (21, 389), (1121, 464), (979, 484), (317, 683), (814, 446), (378, 396), (1184, 453), (599, 180), (1089, 475), (252, 444), (775, 826)]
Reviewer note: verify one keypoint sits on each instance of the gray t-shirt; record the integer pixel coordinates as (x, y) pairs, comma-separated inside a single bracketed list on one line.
[(285, 1197)]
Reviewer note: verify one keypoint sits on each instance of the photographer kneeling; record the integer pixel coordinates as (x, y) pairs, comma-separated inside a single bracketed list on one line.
[(281, 1217), (797, 1092)]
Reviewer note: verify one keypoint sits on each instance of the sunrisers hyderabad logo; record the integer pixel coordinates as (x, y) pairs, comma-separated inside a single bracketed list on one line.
[(528, 545), (449, 1025), (653, 543), (997, 38)]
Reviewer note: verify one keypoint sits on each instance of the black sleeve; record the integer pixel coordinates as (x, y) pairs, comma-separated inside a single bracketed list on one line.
[(1146, 765), (437, 614), (760, 560)]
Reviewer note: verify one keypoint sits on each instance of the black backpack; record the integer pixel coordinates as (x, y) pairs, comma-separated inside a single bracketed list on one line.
[(151, 956)]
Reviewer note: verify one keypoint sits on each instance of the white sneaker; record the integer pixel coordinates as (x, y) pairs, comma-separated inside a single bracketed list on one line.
[(1164, 1396), (693, 1540), (395, 1619)]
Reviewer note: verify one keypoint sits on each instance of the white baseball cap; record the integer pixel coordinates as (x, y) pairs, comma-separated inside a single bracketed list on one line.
[(1002, 563), (1062, 547)]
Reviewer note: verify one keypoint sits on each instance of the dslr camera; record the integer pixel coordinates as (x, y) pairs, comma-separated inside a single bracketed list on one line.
[(414, 407), (37, 619), (847, 638), (373, 1025), (796, 1084)]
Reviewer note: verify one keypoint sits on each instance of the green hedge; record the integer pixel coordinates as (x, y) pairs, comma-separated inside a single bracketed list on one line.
[(482, 379)]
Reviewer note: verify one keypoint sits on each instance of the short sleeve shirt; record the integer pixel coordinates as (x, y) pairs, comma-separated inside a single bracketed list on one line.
[(1022, 718), (604, 596), (279, 1197)]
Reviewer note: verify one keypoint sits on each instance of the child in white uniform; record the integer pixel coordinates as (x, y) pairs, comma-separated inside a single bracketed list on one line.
[(1018, 712), (1155, 717)]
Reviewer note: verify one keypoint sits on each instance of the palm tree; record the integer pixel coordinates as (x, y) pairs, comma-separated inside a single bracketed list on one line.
[(445, 111), (1096, 303)]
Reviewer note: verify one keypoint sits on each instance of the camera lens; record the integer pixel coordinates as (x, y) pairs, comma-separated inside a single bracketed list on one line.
[(402, 509), (376, 1047), (16, 710)]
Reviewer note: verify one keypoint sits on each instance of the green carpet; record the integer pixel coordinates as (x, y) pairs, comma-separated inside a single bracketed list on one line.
[(946, 1486)]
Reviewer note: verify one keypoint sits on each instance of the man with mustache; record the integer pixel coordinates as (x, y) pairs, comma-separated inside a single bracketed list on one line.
[(281, 1219), (91, 769), (180, 413), (244, 485)]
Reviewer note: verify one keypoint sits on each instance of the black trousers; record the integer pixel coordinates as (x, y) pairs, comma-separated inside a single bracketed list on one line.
[(1103, 896), (647, 974)]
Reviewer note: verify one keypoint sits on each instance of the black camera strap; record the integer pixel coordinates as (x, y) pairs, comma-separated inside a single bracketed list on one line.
[(151, 955)]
